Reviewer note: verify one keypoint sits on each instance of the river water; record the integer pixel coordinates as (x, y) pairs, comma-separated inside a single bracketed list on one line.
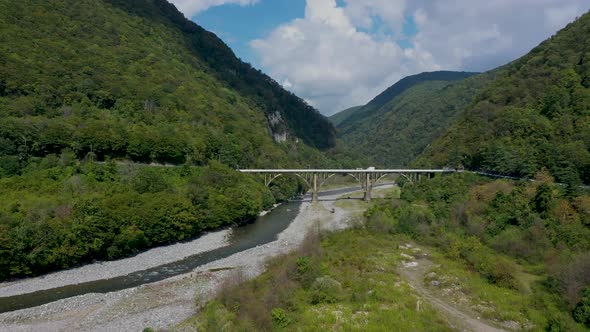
[(264, 230)]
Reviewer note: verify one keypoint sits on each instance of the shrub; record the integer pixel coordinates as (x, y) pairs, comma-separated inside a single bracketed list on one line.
[(582, 205), (494, 268), (530, 244), (279, 317), (559, 323), (414, 219), (381, 222), (501, 272), (325, 290), (310, 246), (9, 165), (573, 275), (543, 199), (303, 265), (149, 180), (216, 317), (581, 312)]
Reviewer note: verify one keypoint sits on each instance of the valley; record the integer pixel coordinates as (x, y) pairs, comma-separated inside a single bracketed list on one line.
[(151, 179)]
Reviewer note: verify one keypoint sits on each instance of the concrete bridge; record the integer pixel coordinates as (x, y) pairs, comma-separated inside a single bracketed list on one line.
[(367, 178)]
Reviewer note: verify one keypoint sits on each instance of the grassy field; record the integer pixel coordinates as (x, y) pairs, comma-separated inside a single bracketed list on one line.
[(343, 281)]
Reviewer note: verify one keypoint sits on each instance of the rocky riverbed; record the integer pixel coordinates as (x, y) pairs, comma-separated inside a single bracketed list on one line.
[(107, 270)]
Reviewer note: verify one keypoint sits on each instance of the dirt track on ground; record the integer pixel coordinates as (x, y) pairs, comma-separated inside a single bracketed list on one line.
[(459, 318)]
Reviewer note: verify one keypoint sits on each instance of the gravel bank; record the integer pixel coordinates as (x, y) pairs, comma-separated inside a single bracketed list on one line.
[(107, 270), (167, 303)]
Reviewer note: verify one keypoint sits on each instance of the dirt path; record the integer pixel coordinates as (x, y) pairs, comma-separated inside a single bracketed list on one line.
[(460, 319)]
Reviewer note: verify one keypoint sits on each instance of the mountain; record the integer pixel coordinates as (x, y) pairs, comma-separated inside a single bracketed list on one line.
[(398, 88), (410, 81), (534, 115), (135, 79), (339, 117), (392, 133)]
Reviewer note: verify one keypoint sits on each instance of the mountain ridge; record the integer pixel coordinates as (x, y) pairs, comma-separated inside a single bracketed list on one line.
[(400, 87)]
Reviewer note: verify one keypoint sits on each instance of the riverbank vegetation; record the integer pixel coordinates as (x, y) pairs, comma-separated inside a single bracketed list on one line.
[(515, 254), (60, 213)]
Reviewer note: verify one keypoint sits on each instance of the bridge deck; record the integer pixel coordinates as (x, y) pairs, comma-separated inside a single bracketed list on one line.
[(345, 171)]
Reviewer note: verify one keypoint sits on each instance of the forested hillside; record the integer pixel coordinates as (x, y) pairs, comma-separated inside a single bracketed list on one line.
[(92, 77), (395, 133), (374, 106), (535, 115), (302, 120), (86, 81)]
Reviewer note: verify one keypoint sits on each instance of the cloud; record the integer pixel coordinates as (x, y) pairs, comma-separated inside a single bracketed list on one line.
[(336, 56), (480, 35), (362, 13), (558, 17), (329, 62), (192, 7)]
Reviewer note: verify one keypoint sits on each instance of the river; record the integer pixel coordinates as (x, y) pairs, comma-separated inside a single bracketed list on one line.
[(264, 230)]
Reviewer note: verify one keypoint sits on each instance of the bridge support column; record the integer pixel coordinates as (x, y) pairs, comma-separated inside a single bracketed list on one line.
[(368, 188), (315, 195)]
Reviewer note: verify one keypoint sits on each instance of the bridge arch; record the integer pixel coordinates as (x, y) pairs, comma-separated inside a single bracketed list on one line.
[(304, 180), (381, 176), (345, 174), (407, 178), (271, 179)]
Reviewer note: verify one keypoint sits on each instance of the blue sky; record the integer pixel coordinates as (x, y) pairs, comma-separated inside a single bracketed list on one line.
[(238, 25), (341, 53)]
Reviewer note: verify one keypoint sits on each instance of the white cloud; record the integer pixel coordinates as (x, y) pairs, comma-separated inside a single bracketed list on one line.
[(192, 7), (330, 59), (558, 17), (479, 35), (362, 13), (329, 62), (286, 84)]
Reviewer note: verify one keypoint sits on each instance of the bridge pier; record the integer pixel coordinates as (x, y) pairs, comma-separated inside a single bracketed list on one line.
[(315, 195), (368, 188)]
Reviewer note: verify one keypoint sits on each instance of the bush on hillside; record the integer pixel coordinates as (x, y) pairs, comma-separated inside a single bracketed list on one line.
[(325, 290)]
